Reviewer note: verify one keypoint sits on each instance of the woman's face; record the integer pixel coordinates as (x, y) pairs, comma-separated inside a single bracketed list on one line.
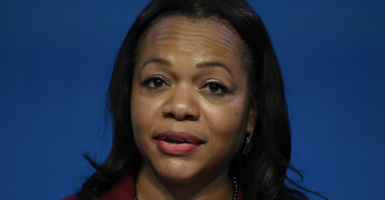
[(189, 102)]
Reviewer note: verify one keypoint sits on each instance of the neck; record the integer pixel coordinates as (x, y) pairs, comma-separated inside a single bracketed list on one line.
[(149, 185)]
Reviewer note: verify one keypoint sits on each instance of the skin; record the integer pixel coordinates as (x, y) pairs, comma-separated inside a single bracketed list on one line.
[(190, 60)]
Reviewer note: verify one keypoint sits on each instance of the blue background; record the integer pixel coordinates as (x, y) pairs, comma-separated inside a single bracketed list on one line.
[(56, 58)]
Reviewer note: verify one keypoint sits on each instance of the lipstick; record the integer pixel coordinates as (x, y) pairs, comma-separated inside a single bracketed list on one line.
[(177, 143)]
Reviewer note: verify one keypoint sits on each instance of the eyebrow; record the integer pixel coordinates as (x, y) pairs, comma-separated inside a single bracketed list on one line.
[(213, 64), (160, 61), (201, 65)]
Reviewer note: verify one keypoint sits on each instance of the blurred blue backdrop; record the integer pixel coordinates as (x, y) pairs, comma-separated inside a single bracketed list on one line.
[(56, 58)]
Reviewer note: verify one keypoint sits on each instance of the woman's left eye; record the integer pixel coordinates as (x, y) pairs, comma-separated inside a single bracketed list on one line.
[(214, 87), (155, 82)]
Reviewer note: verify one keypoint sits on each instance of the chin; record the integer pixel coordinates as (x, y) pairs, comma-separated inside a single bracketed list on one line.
[(175, 170)]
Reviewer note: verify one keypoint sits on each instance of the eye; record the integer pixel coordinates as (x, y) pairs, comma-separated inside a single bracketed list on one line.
[(214, 87), (155, 82)]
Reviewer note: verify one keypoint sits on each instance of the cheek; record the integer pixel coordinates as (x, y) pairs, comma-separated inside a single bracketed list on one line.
[(138, 112), (143, 114), (227, 124)]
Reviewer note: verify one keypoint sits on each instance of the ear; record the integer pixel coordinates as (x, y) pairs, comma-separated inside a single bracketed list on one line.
[(253, 116)]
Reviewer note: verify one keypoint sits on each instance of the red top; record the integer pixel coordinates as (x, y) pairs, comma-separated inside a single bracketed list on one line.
[(125, 190)]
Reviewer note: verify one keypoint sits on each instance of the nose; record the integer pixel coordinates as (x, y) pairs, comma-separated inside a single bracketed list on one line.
[(181, 105)]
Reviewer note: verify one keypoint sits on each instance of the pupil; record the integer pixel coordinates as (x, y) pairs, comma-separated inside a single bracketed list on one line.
[(214, 88), (158, 83)]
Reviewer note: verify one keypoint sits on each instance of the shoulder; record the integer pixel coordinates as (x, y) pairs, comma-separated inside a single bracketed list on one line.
[(122, 190), (72, 197)]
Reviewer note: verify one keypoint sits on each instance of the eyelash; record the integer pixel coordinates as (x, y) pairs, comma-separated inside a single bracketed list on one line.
[(216, 83), (151, 80), (150, 84)]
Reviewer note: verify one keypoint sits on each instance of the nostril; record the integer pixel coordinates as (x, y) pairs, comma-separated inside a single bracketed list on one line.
[(186, 117), (181, 111), (189, 117), (170, 115)]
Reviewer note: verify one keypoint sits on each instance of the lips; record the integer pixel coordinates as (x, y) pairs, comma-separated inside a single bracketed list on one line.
[(177, 143)]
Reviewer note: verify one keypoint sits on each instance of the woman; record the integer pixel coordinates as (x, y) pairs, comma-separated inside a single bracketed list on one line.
[(198, 105)]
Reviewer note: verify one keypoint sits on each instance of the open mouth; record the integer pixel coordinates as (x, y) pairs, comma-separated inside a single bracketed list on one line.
[(178, 138), (177, 143), (173, 141)]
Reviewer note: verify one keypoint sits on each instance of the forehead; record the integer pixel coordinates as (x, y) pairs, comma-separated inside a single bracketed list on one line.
[(203, 34)]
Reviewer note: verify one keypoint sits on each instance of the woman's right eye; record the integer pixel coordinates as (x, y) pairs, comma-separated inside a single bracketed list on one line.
[(155, 82)]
